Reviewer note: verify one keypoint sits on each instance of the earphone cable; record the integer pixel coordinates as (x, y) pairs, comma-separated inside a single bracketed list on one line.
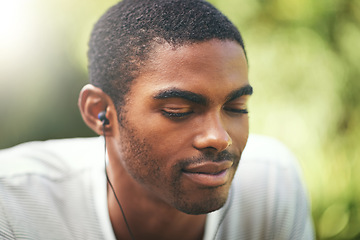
[(112, 188)]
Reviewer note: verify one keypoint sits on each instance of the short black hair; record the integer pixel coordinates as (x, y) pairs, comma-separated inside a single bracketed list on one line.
[(123, 37)]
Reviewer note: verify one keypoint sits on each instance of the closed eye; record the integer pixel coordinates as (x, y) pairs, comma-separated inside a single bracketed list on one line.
[(243, 111), (237, 106), (176, 113)]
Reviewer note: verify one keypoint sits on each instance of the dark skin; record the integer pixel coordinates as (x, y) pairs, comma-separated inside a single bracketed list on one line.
[(185, 125)]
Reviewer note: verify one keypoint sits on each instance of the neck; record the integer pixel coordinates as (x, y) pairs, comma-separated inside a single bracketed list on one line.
[(148, 217)]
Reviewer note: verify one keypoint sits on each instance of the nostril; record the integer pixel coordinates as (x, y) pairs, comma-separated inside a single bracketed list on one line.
[(212, 134), (212, 142)]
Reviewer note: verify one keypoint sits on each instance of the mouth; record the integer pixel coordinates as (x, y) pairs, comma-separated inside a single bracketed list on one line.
[(209, 174)]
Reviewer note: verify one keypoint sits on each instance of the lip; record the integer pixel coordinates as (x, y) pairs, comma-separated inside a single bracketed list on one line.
[(210, 174)]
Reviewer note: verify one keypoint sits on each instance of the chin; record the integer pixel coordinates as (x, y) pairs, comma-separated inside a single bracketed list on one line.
[(204, 206)]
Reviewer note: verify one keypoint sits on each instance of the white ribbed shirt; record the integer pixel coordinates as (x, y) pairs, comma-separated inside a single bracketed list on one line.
[(56, 189)]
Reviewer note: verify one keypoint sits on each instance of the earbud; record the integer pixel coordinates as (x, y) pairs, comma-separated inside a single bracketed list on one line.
[(102, 117)]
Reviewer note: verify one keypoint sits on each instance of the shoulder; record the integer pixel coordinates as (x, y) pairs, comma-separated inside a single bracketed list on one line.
[(267, 159), (52, 158), (266, 150), (268, 171), (268, 197), (45, 187), (269, 166)]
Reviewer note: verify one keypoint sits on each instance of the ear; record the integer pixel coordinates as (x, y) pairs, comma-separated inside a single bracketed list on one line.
[(92, 101)]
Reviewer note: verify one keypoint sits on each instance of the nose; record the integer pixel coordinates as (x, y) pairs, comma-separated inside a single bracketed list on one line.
[(212, 135)]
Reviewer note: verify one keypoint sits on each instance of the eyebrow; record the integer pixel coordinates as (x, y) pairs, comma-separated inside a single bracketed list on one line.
[(198, 98), (178, 93), (245, 90)]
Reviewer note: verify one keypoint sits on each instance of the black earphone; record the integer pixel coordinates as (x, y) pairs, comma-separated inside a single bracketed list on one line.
[(102, 117), (105, 121)]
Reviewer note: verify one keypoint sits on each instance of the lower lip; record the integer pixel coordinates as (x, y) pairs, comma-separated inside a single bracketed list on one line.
[(209, 180)]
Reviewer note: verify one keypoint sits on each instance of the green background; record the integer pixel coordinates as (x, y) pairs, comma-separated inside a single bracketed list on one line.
[(304, 62)]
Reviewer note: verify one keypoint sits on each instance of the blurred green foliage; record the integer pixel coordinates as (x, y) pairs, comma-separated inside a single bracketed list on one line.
[(304, 62)]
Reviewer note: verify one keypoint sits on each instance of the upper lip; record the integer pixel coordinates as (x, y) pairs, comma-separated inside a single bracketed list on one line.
[(208, 167)]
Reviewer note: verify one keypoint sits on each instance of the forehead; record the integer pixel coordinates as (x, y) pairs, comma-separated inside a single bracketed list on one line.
[(198, 67)]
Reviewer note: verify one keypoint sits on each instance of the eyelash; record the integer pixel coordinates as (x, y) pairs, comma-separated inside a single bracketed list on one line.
[(179, 115), (242, 111), (175, 114)]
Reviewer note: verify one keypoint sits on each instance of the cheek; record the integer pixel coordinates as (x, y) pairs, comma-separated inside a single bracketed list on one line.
[(150, 166), (151, 146), (239, 132), (168, 139), (141, 159)]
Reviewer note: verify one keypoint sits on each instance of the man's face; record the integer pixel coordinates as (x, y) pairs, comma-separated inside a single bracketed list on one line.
[(185, 124)]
